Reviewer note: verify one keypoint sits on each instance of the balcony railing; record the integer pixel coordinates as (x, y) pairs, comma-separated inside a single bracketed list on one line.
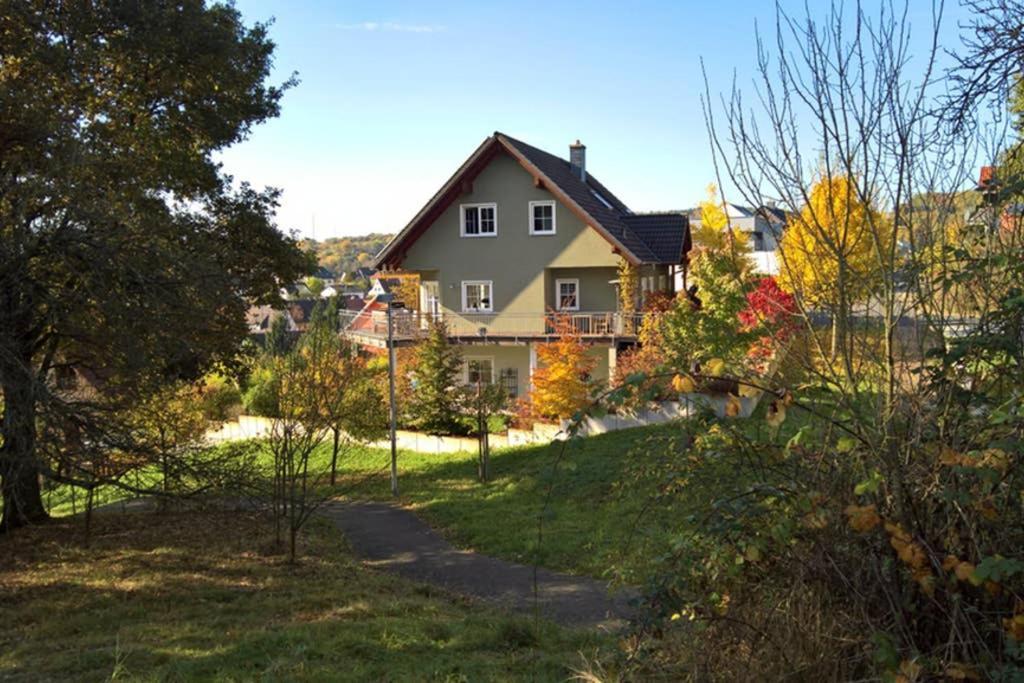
[(410, 325)]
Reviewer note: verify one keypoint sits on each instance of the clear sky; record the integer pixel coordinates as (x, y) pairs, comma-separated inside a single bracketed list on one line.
[(395, 95)]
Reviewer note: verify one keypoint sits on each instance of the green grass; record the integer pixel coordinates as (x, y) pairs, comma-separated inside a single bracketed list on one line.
[(201, 596), (596, 491)]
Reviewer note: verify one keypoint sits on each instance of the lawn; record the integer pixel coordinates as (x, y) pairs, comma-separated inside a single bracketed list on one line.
[(191, 595), (602, 513), (592, 493)]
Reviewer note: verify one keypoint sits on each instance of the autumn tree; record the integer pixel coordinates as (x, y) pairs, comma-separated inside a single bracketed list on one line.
[(124, 249), (352, 406), (829, 251), (561, 382), (703, 324)]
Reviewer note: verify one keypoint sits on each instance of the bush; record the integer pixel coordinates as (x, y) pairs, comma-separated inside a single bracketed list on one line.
[(260, 397), (221, 398)]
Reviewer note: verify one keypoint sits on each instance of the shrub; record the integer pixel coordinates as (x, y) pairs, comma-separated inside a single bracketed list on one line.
[(561, 382)]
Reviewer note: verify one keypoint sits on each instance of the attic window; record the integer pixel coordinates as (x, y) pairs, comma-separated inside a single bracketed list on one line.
[(601, 199), (478, 220)]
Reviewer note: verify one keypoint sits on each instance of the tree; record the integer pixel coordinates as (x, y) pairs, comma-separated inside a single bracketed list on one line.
[(481, 401), (829, 251), (353, 407), (315, 286), (703, 324), (436, 368), (297, 432), (124, 250), (278, 340), (561, 382)]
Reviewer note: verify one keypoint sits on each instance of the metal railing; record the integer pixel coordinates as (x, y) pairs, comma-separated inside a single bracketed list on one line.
[(414, 324)]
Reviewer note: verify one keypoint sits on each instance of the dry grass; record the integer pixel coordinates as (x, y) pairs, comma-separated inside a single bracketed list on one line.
[(201, 595)]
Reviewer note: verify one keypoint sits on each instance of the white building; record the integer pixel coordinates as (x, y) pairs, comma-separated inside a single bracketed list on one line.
[(763, 225)]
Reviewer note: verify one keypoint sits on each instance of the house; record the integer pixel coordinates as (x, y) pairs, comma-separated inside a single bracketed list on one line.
[(514, 234), (764, 225), (297, 315)]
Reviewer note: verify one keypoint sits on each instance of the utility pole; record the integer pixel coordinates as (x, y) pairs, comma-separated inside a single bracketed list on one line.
[(391, 391)]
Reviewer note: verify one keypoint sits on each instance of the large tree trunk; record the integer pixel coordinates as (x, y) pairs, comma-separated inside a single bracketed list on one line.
[(19, 472)]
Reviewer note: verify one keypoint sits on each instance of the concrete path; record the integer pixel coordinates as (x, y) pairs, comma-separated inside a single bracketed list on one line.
[(395, 539)]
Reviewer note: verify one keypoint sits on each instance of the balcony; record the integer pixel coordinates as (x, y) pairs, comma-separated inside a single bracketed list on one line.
[(371, 327)]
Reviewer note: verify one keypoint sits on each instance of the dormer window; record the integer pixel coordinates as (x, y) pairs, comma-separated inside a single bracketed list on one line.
[(478, 220), (542, 218)]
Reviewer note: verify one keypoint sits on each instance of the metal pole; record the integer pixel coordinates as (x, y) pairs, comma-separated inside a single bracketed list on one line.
[(394, 411)]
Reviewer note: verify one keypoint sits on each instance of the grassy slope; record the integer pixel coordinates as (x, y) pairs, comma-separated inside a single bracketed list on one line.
[(599, 486), (191, 596)]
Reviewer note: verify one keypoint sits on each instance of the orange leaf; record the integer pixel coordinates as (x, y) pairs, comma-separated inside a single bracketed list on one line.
[(863, 518)]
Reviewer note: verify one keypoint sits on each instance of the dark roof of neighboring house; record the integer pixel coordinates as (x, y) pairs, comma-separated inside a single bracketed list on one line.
[(667, 235), (351, 302), (365, 272), (323, 274), (591, 201)]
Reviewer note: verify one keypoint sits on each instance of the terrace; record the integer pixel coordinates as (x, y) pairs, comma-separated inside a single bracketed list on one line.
[(370, 326)]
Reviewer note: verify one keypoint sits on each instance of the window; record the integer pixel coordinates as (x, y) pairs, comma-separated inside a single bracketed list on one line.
[(478, 220), (476, 296), (568, 293), (479, 370), (758, 241), (542, 218), (509, 378)]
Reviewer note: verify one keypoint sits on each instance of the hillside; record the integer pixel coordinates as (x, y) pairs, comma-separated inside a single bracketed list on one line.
[(345, 254)]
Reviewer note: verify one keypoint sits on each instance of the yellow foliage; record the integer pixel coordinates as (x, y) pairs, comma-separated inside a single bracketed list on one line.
[(834, 227), (748, 391), (715, 367), (560, 386), (863, 518), (961, 672), (1015, 627), (776, 414), (910, 671), (964, 572), (683, 384), (910, 553), (732, 406), (714, 231)]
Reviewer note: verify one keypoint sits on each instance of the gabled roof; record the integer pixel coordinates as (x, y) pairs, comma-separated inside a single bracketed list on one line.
[(591, 201)]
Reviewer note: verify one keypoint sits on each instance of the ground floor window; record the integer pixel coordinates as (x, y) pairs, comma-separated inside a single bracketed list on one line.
[(509, 378), (479, 370)]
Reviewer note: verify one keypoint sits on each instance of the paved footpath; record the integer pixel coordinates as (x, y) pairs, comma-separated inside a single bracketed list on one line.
[(393, 538)]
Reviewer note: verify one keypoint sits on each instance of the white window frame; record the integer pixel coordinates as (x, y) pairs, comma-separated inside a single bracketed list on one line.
[(558, 293), (490, 287), (478, 206), (554, 219), (465, 367)]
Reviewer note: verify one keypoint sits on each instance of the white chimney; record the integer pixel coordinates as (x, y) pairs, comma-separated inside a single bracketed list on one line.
[(578, 160)]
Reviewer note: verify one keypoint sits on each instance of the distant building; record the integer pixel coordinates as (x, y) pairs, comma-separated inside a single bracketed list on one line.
[(764, 225)]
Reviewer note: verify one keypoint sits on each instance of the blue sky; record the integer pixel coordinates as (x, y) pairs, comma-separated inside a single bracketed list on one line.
[(395, 95)]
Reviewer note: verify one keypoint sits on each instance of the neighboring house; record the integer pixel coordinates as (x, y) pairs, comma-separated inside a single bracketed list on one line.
[(764, 225), (297, 315), (515, 233), (326, 275), (360, 278), (295, 291)]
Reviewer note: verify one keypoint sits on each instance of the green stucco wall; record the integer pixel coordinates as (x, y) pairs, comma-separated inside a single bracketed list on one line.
[(514, 260)]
